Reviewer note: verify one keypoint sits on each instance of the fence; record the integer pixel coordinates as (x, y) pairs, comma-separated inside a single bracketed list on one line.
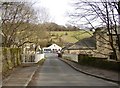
[(12, 57), (27, 58), (31, 58)]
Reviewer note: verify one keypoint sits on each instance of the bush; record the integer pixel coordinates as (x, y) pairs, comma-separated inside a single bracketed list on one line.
[(98, 62)]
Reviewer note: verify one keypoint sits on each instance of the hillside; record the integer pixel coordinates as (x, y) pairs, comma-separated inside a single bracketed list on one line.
[(69, 36)]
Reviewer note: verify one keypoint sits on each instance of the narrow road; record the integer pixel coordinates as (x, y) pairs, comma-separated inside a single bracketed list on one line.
[(54, 72)]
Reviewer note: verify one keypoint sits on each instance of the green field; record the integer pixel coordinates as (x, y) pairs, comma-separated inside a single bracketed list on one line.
[(69, 36)]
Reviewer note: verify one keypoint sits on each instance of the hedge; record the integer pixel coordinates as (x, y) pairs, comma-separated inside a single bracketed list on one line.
[(98, 62)]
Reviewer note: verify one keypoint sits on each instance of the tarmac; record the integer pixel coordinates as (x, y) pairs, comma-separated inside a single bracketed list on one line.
[(22, 75), (108, 75)]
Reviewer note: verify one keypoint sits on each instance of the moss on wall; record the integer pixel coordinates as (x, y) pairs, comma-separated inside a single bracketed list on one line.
[(11, 58), (98, 62)]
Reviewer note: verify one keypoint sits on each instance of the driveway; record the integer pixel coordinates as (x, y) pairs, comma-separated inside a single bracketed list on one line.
[(54, 72)]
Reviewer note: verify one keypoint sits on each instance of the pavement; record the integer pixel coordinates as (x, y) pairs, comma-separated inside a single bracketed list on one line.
[(56, 73), (20, 76), (96, 72)]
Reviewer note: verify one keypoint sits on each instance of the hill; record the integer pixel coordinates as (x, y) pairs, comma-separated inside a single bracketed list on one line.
[(63, 37)]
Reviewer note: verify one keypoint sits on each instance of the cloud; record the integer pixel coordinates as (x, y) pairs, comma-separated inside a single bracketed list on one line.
[(57, 9)]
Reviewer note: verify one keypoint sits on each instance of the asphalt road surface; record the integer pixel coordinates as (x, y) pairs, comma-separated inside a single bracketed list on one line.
[(55, 72)]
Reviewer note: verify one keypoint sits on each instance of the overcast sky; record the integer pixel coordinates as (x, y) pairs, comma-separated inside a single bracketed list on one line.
[(57, 9)]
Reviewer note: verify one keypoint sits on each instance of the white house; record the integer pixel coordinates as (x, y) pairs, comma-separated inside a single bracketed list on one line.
[(52, 48)]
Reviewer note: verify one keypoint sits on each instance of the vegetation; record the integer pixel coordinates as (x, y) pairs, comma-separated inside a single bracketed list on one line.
[(11, 58), (50, 26), (19, 23), (64, 37), (19, 27), (100, 13)]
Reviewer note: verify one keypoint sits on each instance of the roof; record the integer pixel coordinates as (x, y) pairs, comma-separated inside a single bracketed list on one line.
[(67, 45), (54, 46), (84, 44)]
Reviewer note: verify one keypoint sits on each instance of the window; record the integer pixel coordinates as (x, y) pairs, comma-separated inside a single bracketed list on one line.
[(112, 55)]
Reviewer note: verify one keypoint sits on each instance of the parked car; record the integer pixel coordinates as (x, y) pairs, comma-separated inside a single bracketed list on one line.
[(59, 54)]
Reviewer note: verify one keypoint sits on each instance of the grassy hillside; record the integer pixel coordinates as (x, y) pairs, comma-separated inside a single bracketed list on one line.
[(69, 36)]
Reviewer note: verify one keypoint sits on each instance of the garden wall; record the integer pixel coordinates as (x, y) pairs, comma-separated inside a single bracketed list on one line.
[(98, 62), (73, 57), (10, 59)]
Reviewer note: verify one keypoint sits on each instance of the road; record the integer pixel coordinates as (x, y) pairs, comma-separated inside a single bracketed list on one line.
[(55, 72)]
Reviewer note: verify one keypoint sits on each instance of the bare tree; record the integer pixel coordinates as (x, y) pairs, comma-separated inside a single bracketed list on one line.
[(105, 14), (20, 23), (16, 17), (43, 15)]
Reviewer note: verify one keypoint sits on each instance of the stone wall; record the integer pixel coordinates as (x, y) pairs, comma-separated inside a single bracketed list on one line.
[(0, 67), (98, 62), (10, 59), (73, 57), (74, 51), (89, 52)]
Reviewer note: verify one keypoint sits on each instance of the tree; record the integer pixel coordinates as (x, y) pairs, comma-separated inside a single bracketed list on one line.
[(16, 17), (43, 15), (105, 14), (20, 23)]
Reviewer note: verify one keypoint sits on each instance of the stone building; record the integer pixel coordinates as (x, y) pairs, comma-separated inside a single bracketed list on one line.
[(103, 43), (84, 46), (52, 48), (98, 45), (103, 48)]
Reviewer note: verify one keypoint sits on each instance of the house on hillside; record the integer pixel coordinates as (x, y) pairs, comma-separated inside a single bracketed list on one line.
[(52, 48), (84, 46), (103, 43), (98, 45)]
